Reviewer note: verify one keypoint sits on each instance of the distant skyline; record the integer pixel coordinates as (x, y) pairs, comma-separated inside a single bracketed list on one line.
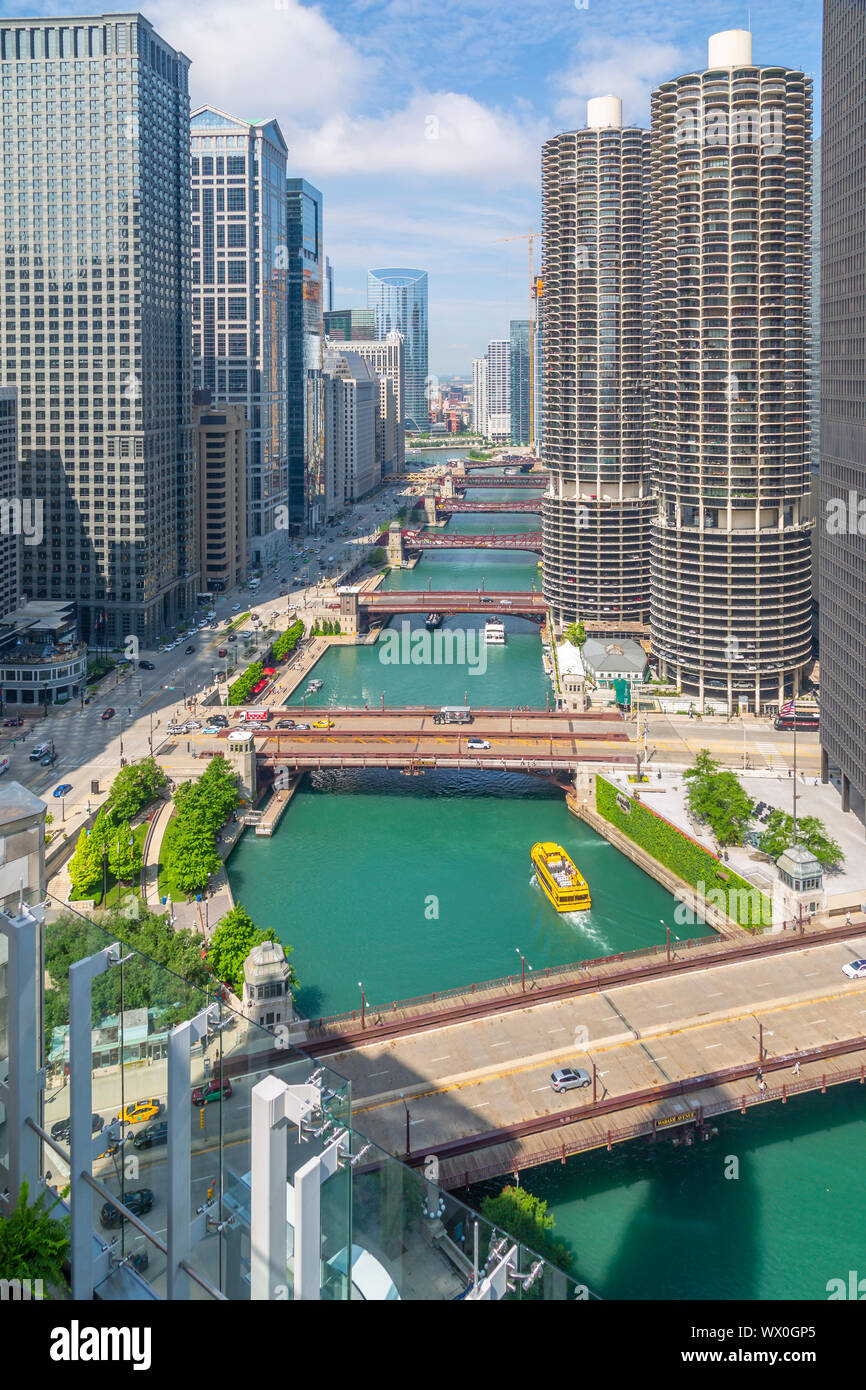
[(423, 125)]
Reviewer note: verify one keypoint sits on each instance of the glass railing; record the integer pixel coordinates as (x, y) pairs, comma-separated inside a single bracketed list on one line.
[(386, 1231)]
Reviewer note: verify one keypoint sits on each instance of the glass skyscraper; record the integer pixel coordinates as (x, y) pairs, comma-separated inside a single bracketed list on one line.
[(96, 332), (306, 408), (239, 272), (519, 329), (399, 298)]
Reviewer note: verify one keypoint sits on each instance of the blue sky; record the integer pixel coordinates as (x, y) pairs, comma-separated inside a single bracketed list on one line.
[(423, 123)]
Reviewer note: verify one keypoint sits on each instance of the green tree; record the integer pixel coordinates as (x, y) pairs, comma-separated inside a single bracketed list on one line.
[(33, 1243), (232, 942), (85, 866), (717, 798), (811, 832), (124, 854), (133, 787), (525, 1217)]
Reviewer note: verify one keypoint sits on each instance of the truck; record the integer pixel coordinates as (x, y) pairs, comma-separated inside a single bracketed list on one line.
[(453, 714)]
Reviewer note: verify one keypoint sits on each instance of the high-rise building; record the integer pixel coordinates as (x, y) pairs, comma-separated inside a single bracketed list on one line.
[(842, 546), (240, 266), (221, 480), (387, 358), (96, 334), (306, 423), (519, 380), (599, 506), (329, 285), (731, 190), (351, 325), (538, 371), (479, 395), (499, 390), (399, 299), (351, 405), (13, 530)]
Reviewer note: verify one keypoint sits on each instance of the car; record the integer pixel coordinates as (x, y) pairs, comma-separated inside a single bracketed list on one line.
[(286, 724), (48, 760), (302, 726), (138, 1112), (64, 789), (569, 1079), (190, 649), (236, 608), (323, 723), (211, 1090), (147, 666), (855, 970), (220, 720), (210, 729), (12, 723), (487, 600), (192, 724), (139, 1202), (60, 1128), (152, 1134), (108, 713), (479, 743)]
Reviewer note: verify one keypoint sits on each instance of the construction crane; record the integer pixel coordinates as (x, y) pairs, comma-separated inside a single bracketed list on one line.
[(535, 289)]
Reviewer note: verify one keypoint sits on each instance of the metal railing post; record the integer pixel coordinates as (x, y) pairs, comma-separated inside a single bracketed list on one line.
[(179, 1152), (25, 1079)]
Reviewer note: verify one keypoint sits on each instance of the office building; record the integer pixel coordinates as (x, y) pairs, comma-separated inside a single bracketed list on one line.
[(351, 394), (329, 285), (351, 325), (387, 359), (239, 266), (599, 506), (221, 480), (398, 299), (16, 517), (519, 379), (306, 400), (842, 546), (96, 333), (499, 390), (731, 210), (479, 395)]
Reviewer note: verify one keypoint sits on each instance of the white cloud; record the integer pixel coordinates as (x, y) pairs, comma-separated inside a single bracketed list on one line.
[(625, 67), (436, 133)]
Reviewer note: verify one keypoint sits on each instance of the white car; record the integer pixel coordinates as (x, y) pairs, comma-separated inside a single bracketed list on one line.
[(480, 744), (855, 970)]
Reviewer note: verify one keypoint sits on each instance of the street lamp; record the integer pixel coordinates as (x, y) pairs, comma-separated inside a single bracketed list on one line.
[(523, 969), (406, 1108), (668, 930), (363, 1002)]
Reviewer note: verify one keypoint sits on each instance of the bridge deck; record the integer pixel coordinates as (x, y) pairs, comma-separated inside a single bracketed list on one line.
[(478, 1091)]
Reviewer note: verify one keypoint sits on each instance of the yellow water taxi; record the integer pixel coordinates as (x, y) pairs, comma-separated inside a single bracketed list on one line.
[(563, 885)]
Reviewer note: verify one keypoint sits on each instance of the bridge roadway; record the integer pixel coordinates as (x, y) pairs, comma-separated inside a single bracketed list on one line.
[(533, 480), (489, 540), (528, 741), (677, 1044), (519, 604), (449, 505)]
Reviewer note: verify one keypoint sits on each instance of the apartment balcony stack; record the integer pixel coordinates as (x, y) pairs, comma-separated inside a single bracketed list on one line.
[(598, 510), (730, 287)]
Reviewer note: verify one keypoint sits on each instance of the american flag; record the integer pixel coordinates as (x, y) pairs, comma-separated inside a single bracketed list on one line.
[(787, 707)]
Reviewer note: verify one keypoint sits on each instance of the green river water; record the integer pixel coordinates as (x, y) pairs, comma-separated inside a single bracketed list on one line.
[(417, 884)]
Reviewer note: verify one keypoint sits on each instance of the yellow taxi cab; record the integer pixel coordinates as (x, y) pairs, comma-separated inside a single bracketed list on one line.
[(323, 724), (140, 1111)]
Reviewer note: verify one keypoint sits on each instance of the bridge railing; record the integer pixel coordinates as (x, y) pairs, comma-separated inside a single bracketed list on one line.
[(509, 982)]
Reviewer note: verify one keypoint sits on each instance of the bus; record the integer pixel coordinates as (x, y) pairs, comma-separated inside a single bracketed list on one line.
[(453, 714), (204, 598), (803, 719)]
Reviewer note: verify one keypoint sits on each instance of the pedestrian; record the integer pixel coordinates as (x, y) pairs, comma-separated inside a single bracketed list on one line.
[(759, 1075), (796, 1068), (847, 919), (762, 1085)]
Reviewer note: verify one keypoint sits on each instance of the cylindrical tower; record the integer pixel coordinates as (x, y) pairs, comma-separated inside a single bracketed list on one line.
[(731, 193), (598, 510)]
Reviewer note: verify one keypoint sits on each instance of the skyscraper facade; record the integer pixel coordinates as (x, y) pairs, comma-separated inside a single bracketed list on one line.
[(599, 505), (842, 545), (538, 371), (10, 491), (730, 564), (479, 395), (305, 335), (96, 333), (351, 325), (399, 300), (519, 380), (240, 266), (387, 358), (499, 389)]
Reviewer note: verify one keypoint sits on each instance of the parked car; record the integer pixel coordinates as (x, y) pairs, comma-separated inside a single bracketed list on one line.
[(855, 969), (152, 1134), (211, 1090), (60, 1128), (139, 1111), (139, 1202), (147, 666), (569, 1079), (64, 789), (108, 713)]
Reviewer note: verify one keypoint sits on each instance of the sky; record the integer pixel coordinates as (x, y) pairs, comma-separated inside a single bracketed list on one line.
[(422, 123)]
